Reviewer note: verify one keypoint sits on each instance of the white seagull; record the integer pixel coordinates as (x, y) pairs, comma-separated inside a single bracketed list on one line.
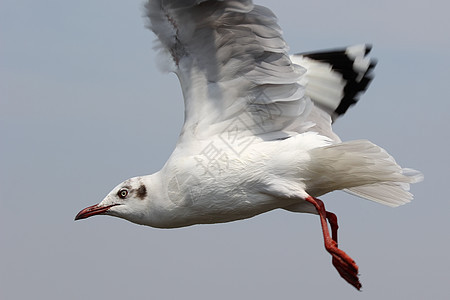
[(257, 132)]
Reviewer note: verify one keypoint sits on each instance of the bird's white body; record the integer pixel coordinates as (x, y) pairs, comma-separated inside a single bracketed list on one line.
[(208, 182)]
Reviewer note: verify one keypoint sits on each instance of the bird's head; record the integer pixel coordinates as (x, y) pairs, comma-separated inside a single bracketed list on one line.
[(127, 200)]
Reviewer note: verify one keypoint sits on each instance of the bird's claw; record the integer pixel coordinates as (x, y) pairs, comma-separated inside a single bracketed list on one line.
[(345, 266)]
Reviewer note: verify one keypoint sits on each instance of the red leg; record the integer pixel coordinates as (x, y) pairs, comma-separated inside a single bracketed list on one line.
[(343, 263), (332, 219)]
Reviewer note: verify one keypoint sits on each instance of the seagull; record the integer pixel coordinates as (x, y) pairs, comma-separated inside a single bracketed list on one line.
[(257, 134)]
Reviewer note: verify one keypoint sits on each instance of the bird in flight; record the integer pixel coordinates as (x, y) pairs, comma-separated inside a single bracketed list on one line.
[(257, 133)]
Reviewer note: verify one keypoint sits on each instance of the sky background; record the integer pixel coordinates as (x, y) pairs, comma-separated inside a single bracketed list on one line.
[(83, 107)]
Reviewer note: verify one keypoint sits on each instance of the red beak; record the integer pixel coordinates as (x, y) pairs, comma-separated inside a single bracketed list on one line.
[(92, 211)]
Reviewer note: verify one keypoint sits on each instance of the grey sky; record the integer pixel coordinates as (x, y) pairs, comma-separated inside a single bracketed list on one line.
[(83, 107)]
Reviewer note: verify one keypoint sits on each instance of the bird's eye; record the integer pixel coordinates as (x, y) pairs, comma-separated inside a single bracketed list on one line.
[(122, 193)]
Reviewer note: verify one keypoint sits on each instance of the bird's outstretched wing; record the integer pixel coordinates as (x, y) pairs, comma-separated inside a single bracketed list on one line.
[(233, 67)]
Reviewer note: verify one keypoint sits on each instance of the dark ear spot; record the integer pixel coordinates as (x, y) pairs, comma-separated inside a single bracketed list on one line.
[(141, 192)]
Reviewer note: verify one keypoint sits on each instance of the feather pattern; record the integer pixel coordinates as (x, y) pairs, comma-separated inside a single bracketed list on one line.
[(335, 79), (232, 65)]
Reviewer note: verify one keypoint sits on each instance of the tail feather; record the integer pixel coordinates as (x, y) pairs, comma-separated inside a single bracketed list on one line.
[(363, 169)]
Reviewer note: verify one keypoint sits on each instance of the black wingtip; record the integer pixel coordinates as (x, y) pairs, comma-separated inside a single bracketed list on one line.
[(356, 80)]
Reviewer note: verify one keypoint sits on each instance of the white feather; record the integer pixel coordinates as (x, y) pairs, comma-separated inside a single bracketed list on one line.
[(363, 169)]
